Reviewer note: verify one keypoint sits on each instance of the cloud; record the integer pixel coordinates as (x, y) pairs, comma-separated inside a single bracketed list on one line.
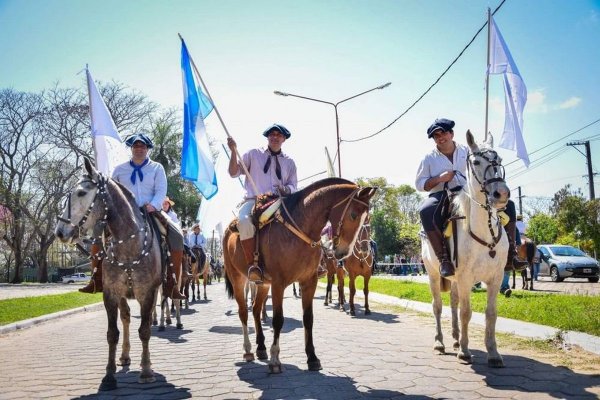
[(571, 102), (536, 102)]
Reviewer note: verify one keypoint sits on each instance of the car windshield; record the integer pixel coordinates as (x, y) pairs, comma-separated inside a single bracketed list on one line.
[(567, 251)]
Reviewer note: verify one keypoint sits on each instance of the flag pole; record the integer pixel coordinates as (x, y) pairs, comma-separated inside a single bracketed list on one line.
[(240, 159), (87, 80), (487, 74)]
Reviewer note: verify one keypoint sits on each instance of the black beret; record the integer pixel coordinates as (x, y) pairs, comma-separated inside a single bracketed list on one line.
[(139, 137), (276, 127), (440, 123)]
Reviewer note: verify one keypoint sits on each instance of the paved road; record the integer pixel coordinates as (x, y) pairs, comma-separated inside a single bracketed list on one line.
[(384, 355), (9, 291)]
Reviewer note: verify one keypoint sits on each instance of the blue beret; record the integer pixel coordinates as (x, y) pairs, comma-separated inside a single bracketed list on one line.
[(440, 123), (139, 137), (276, 127)]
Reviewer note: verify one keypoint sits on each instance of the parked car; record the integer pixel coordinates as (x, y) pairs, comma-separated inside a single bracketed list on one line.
[(79, 277), (561, 261)]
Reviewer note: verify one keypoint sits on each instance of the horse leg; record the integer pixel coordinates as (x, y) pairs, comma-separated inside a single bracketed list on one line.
[(146, 375), (177, 303), (454, 311), (204, 281), (239, 282), (531, 268), (464, 300), (265, 317), (352, 287), (308, 293), (366, 293), (112, 337), (168, 310), (328, 290), (277, 300), (125, 321), (514, 274), (341, 296), (524, 279), (491, 314), (257, 308), (154, 316), (436, 304), (163, 307), (294, 289)]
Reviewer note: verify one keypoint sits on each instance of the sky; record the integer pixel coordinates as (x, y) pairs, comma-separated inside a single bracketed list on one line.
[(332, 50)]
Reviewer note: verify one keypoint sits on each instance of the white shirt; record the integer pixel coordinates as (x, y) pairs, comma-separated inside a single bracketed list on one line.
[(151, 190), (194, 240), (436, 162), (267, 182), (173, 215)]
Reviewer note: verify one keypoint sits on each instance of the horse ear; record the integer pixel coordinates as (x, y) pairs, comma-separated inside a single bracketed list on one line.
[(89, 167), (471, 141), (367, 192)]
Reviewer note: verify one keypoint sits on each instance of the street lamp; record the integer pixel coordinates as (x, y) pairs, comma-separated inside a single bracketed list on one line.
[(335, 105)]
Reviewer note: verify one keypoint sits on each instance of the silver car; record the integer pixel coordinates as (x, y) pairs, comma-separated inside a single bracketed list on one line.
[(560, 262)]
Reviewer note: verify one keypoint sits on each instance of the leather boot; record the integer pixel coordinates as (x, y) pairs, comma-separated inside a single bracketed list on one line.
[(439, 248), (255, 273), (173, 275), (512, 261), (95, 284)]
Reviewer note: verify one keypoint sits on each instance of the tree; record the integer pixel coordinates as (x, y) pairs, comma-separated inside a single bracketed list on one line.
[(542, 228)]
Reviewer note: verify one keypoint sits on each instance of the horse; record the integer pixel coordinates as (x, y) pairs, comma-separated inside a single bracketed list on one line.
[(482, 247), (218, 271), (202, 268), (360, 263), (290, 252), (250, 290), (333, 271), (526, 251), (133, 260)]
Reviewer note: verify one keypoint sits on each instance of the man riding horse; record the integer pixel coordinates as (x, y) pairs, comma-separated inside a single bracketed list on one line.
[(147, 180), (441, 171), (272, 172)]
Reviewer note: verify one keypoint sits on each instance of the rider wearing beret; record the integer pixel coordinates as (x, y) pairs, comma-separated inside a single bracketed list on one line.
[(445, 167), (273, 172)]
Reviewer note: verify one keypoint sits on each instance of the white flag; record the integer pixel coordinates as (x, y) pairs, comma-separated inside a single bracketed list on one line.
[(515, 94), (110, 150), (330, 168)]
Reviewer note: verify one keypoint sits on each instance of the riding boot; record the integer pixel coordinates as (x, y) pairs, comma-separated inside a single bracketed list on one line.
[(512, 261), (439, 248), (255, 273), (173, 275), (95, 284)]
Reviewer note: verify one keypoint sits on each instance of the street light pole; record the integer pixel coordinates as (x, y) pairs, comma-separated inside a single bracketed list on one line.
[(335, 107)]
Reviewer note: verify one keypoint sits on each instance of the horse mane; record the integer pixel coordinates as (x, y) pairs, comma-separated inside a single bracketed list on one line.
[(292, 201), (127, 194)]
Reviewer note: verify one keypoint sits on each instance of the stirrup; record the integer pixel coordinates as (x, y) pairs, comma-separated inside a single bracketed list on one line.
[(252, 273)]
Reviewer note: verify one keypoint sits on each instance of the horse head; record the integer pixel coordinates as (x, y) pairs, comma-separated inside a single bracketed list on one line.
[(348, 216), (486, 173), (82, 206)]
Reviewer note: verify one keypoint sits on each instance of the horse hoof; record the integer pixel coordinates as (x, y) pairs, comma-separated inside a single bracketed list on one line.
[(179, 326), (456, 346), (124, 361), (146, 378), (154, 323), (262, 354), (161, 328), (108, 383), (439, 349), (275, 369), (367, 312), (467, 358), (314, 365), (169, 322), (205, 298), (352, 313), (495, 362), (249, 357)]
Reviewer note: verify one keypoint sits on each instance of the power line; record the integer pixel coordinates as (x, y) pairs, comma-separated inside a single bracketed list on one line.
[(430, 87)]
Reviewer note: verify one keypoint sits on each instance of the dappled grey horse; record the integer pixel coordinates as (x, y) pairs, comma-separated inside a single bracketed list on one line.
[(132, 264)]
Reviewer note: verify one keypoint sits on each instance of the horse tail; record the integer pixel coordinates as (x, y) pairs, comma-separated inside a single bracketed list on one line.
[(445, 285), (228, 287)]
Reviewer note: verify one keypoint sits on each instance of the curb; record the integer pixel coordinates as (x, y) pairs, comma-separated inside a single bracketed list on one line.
[(506, 325), (28, 323)]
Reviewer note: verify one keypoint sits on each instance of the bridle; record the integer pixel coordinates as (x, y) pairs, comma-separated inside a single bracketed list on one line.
[(100, 191), (356, 251)]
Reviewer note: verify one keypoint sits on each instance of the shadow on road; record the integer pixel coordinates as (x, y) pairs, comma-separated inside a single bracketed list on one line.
[(128, 387)]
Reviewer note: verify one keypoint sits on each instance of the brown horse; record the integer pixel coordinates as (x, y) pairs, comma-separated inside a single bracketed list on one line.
[(132, 266), (290, 252), (333, 272), (202, 267), (526, 251), (360, 263)]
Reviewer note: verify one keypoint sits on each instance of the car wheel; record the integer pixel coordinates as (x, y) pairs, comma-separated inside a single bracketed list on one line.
[(71, 282), (554, 275), (593, 280)]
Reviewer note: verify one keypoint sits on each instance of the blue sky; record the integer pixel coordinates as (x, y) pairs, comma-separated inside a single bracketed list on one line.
[(332, 50)]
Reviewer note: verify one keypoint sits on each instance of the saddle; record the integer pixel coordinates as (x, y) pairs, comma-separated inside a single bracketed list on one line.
[(262, 213)]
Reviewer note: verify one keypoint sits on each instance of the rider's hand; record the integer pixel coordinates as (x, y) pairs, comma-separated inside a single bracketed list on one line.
[(446, 176), (231, 143), (150, 208), (282, 190)]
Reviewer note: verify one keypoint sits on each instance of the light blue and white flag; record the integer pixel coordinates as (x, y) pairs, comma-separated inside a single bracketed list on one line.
[(196, 161), (110, 150), (515, 94)]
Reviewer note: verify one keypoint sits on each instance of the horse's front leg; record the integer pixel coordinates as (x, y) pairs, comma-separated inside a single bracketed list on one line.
[(112, 337), (308, 293), (178, 313), (464, 300), (328, 290), (125, 321), (352, 287), (491, 314), (277, 300), (436, 304), (454, 311), (257, 311), (204, 281), (146, 375), (366, 293), (340, 277), (154, 313)]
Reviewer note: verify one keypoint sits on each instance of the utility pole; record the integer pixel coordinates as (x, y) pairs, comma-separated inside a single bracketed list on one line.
[(588, 156), (520, 201)]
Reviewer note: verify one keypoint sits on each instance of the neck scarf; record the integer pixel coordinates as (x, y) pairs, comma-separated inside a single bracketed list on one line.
[(138, 169), (268, 163)]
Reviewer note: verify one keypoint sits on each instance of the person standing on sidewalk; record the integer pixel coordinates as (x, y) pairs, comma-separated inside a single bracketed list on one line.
[(273, 172), (445, 168)]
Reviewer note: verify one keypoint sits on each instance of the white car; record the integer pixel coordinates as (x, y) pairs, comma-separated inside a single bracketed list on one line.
[(79, 277), (560, 262)]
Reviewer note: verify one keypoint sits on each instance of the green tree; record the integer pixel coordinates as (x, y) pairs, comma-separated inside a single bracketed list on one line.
[(542, 228)]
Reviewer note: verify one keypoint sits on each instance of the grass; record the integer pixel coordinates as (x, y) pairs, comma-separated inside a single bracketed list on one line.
[(13, 310), (567, 312)]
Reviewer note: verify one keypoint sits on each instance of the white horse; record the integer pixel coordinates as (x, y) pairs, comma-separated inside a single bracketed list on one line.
[(482, 248)]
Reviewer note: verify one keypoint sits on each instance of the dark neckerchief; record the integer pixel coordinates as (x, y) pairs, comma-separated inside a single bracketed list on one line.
[(268, 163), (138, 169)]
